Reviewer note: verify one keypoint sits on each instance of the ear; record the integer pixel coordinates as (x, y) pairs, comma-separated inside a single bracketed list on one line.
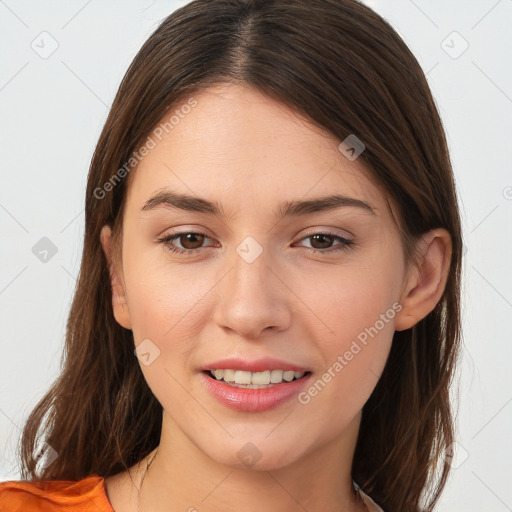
[(425, 283), (119, 304)]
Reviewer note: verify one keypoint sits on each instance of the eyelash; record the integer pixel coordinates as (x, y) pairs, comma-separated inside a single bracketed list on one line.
[(344, 244)]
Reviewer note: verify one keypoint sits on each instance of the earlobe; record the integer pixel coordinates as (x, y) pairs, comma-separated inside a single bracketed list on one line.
[(119, 304), (425, 286)]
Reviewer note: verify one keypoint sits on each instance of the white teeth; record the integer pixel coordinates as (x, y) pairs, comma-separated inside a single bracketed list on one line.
[(261, 377), (229, 375), (242, 377), (288, 376), (276, 376), (265, 378)]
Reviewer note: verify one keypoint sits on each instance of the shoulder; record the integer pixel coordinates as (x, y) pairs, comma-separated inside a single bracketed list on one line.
[(86, 495)]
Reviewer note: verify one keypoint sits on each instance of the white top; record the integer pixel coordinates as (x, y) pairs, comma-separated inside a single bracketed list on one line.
[(370, 504)]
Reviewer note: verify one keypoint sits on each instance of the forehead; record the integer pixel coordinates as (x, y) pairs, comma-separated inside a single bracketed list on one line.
[(237, 143)]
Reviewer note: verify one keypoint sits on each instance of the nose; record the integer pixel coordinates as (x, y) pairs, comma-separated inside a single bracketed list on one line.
[(253, 297)]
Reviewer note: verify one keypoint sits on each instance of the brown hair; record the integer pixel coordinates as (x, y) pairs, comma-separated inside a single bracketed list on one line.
[(344, 68)]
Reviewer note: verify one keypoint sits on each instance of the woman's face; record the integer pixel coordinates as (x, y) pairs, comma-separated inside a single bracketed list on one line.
[(266, 285)]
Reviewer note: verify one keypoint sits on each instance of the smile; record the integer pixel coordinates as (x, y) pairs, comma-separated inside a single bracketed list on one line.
[(236, 392), (255, 380)]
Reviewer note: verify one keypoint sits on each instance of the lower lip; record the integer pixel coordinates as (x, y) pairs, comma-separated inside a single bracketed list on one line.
[(253, 400)]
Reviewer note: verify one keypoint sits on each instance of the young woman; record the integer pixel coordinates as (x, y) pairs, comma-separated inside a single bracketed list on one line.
[(267, 312)]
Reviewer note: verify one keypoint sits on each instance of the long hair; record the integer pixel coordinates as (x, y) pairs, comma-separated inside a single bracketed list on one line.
[(345, 69)]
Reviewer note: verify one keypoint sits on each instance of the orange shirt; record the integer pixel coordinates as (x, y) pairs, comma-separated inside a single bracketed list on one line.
[(86, 495)]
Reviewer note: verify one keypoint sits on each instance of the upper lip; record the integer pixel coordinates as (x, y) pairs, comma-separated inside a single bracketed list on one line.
[(256, 365)]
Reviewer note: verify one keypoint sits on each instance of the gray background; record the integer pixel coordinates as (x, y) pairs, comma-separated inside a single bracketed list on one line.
[(52, 108)]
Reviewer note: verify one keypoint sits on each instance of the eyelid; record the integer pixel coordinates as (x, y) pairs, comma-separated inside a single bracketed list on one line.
[(328, 231), (176, 234), (344, 243)]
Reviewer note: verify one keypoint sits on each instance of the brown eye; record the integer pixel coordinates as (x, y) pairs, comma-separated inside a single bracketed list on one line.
[(186, 242), (191, 240), (321, 241)]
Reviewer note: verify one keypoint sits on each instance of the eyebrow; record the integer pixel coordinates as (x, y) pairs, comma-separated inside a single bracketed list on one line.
[(286, 209)]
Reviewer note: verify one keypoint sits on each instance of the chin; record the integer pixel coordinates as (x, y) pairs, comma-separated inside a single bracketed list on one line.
[(257, 455)]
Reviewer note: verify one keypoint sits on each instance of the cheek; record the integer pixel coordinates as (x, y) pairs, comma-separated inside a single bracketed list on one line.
[(353, 328), (358, 308), (168, 308), (347, 300), (166, 304)]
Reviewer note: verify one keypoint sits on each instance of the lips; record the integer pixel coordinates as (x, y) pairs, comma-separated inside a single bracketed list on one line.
[(237, 393), (257, 365)]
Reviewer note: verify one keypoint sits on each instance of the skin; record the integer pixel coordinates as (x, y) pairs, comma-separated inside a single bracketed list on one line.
[(249, 153)]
